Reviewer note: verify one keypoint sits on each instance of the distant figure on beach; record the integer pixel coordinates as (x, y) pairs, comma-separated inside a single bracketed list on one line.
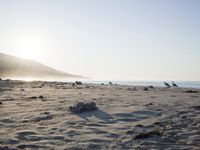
[(174, 84), (167, 84), (110, 83)]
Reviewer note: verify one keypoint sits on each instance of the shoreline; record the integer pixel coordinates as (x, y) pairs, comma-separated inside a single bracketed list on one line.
[(158, 84)]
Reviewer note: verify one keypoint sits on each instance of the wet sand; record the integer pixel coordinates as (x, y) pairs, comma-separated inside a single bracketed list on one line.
[(35, 115)]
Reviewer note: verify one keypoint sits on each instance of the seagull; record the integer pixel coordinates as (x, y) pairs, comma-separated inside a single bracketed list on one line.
[(174, 84), (167, 84)]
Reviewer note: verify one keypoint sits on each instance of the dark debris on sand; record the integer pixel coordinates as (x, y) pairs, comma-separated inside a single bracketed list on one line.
[(145, 89), (191, 91), (167, 133), (143, 135), (7, 148), (78, 83), (196, 107), (82, 107), (151, 87)]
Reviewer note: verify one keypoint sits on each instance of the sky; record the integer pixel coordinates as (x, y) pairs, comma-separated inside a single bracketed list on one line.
[(106, 39)]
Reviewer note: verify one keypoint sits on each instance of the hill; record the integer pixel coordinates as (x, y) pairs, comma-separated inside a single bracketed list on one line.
[(13, 67)]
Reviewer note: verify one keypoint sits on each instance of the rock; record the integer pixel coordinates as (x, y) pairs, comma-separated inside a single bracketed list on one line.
[(33, 97), (1, 103), (77, 108), (82, 107), (149, 104), (46, 113), (41, 97), (90, 106), (139, 125)]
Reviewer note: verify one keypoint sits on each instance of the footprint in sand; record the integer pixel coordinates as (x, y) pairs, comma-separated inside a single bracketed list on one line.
[(7, 148), (28, 135), (11, 141), (40, 117), (6, 120), (31, 146)]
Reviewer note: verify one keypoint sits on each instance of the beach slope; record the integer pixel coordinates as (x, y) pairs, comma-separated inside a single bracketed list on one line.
[(36, 115)]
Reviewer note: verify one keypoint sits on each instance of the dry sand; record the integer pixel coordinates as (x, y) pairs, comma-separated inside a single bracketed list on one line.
[(127, 117)]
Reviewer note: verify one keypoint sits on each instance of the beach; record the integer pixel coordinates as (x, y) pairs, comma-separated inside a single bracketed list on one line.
[(36, 115)]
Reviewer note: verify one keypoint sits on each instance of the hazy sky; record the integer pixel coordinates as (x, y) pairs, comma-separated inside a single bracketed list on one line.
[(106, 39)]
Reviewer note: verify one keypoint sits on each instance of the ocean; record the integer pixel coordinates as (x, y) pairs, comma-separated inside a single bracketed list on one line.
[(183, 84)]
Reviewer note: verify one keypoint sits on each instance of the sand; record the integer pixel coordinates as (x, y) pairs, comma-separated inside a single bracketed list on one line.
[(35, 115)]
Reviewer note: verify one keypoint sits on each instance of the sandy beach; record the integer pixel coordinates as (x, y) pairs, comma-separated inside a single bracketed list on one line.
[(35, 115)]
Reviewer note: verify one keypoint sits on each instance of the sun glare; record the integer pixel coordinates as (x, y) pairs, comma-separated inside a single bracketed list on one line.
[(28, 46)]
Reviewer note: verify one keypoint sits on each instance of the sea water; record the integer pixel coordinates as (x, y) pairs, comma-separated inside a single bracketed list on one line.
[(184, 84)]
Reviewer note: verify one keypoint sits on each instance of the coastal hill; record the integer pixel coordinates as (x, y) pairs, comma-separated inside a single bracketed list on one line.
[(13, 67)]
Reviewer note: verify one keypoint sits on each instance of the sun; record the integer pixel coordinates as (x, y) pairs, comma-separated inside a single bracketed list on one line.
[(28, 46)]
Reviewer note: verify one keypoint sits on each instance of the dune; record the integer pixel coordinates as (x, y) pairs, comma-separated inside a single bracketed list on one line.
[(13, 67)]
